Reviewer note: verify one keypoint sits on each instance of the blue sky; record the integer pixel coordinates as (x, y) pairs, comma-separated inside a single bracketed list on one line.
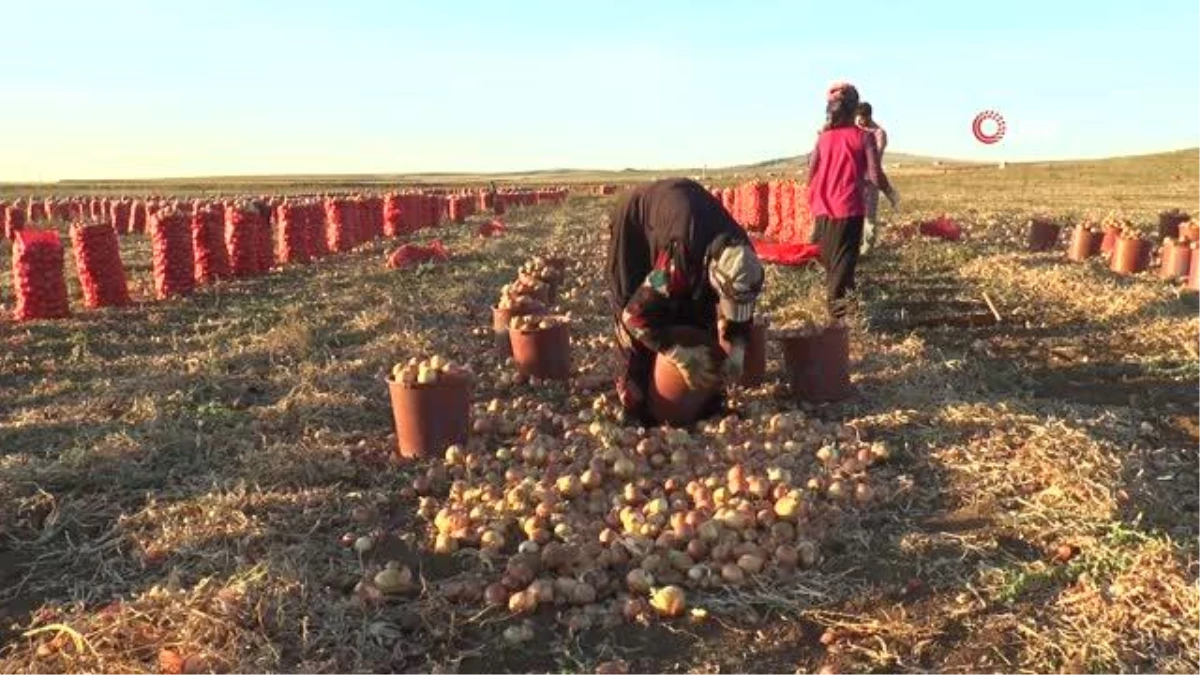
[(141, 89)]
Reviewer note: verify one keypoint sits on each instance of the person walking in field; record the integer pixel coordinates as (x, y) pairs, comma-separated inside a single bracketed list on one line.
[(677, 259), (864, 120), (843, 162)]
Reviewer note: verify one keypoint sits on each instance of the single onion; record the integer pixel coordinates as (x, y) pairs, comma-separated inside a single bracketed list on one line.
[(669, 601), (697, 549), (639, 581), (732, 574), (495, 594), (863, 493), (751, 563), (522, 602), (787, 556)]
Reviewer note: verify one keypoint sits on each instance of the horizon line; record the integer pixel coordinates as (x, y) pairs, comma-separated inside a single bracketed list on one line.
[(760, 165)]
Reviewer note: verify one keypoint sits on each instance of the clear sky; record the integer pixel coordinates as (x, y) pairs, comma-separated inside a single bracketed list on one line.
[(169, 88)]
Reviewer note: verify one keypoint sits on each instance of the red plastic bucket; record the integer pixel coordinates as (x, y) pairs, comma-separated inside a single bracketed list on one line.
[(544, 353), (431, 417), (818, 364)]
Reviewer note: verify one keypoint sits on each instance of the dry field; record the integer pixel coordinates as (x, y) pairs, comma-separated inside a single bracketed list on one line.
[(175, 477)]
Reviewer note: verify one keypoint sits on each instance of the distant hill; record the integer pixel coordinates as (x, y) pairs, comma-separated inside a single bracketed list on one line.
[(771, 167)]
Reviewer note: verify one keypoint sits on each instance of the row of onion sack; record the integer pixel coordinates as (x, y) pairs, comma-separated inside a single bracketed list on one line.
[(408, 211), (774, 210), (198, 243)]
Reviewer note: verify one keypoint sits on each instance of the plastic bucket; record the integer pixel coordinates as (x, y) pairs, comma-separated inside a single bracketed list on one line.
[(500, 319), (1085, 244), (1109, 243), (755, 371), (1176, 260), (544, 353), (670, 399), (818, 365), (1043, 235), (431, 417), (1130, 256), (1193, 279)]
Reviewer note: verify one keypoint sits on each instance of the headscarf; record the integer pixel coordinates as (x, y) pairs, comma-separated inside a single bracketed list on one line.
[(840, 103), (675, 215)]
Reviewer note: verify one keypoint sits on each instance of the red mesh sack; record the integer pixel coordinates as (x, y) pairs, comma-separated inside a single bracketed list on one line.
[(120, 217), (413, 254), (337, 226), (14, 221), (753, 203), (375, 217), (58, 210), (38, 280), (392, 220), (98, 263), (803, 227), (430, 207), (455, 209), (171, 246), (265, 246), (774, 210), (208, 245), (137, 217), (241, 240), (79, 210), (314, 222), (37, 211), (293, 234), (942, 227)]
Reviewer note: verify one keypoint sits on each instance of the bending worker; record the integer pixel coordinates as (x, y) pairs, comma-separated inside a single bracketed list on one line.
[(677, 258)]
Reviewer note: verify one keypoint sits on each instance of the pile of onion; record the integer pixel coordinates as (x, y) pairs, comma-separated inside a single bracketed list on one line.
[(416, 372)]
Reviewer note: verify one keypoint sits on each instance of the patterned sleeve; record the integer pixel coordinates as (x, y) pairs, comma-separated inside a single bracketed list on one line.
[(647, 315)]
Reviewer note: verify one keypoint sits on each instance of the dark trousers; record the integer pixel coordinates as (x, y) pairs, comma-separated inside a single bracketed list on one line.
[(840, 240)]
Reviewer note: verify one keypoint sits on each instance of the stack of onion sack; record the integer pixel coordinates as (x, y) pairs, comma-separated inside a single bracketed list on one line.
[(374, 215), (58, 210), (294, 246), (14, 221), (120, 216), (339, 235), (313, 215), (37, 211), (38, 279), (98, 262), (208, 244), (137, 217), (752, 201), (391, 215), (241, 240), (171, 243), (265, 247)]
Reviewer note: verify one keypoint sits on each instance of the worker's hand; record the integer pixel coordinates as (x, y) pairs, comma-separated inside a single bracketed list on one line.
[(735, 364), (695, 364), (893, 197)]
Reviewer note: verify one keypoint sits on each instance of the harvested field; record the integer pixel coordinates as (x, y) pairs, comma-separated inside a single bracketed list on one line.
[(176, 477)]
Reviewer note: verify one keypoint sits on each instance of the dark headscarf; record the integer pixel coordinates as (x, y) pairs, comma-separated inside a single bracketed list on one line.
[(650, 219)]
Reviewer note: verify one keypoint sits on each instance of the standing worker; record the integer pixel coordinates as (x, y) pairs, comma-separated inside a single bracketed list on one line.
[(864, 120), (844, 160), (676, 258)]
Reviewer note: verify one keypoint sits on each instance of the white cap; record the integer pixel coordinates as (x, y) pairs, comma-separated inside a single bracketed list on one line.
[(737, 276)]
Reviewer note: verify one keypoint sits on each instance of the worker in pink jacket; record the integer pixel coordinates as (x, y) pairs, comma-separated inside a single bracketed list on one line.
[(845, 159)]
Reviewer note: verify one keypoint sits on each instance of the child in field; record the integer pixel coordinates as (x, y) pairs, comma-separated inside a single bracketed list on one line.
[(845, 159)]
